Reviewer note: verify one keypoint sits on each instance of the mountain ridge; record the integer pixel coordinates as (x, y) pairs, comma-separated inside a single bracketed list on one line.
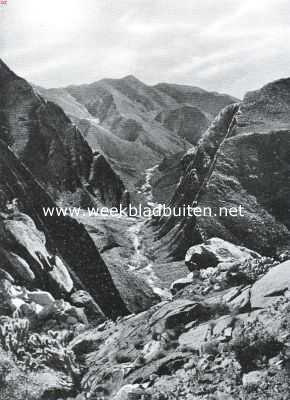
[(127, 109)]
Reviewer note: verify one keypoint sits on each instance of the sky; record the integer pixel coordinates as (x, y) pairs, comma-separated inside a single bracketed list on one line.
[(229, 46)]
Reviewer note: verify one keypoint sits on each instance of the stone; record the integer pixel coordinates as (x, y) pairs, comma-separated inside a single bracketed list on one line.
[(83, 299), (61, 276), (181, 283), (253, 378), (195, 337), (6, 276), (217, 251), (241, 302), (151, 350), (130, 392), (231, 294), (178, 313), (272, 285), (40, 297), (17, 266)]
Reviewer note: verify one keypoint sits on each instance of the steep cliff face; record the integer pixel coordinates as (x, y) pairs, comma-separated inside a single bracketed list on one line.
[(242, 160), (48, 143), (52, 253)]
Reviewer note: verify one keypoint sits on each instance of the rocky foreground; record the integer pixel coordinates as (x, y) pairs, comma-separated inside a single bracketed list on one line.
[(224, 335)]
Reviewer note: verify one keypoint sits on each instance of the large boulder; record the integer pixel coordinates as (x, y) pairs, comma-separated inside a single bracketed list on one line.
[(40, 297), (216, 251), (274, 284), (16, 266), (31, 261)]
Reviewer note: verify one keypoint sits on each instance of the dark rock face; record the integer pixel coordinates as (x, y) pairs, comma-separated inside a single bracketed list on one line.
[(48, 143), (242, 160), (55, 253), (104, 184)]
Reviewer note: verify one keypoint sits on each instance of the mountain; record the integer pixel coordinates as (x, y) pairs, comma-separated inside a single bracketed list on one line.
[(52, 147), (135, 125), (115, 307), (242, 160)]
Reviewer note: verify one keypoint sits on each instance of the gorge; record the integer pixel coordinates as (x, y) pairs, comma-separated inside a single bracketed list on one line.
[(132, 308)]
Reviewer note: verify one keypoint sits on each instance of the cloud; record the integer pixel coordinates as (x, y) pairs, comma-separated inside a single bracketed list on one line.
[(228, 46)]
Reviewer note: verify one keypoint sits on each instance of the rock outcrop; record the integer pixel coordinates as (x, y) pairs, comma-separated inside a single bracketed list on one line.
[(216, 251), (273, 285), (54, 253), (239, 162)]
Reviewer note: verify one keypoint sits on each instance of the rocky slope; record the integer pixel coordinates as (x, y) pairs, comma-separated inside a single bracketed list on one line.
[(52, 253), (224, 335), (218, 337), (125, 116), (241, 160), (56, 253), (52, 147)]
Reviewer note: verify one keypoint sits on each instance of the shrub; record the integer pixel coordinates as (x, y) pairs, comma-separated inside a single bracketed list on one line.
[(33, 351)]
